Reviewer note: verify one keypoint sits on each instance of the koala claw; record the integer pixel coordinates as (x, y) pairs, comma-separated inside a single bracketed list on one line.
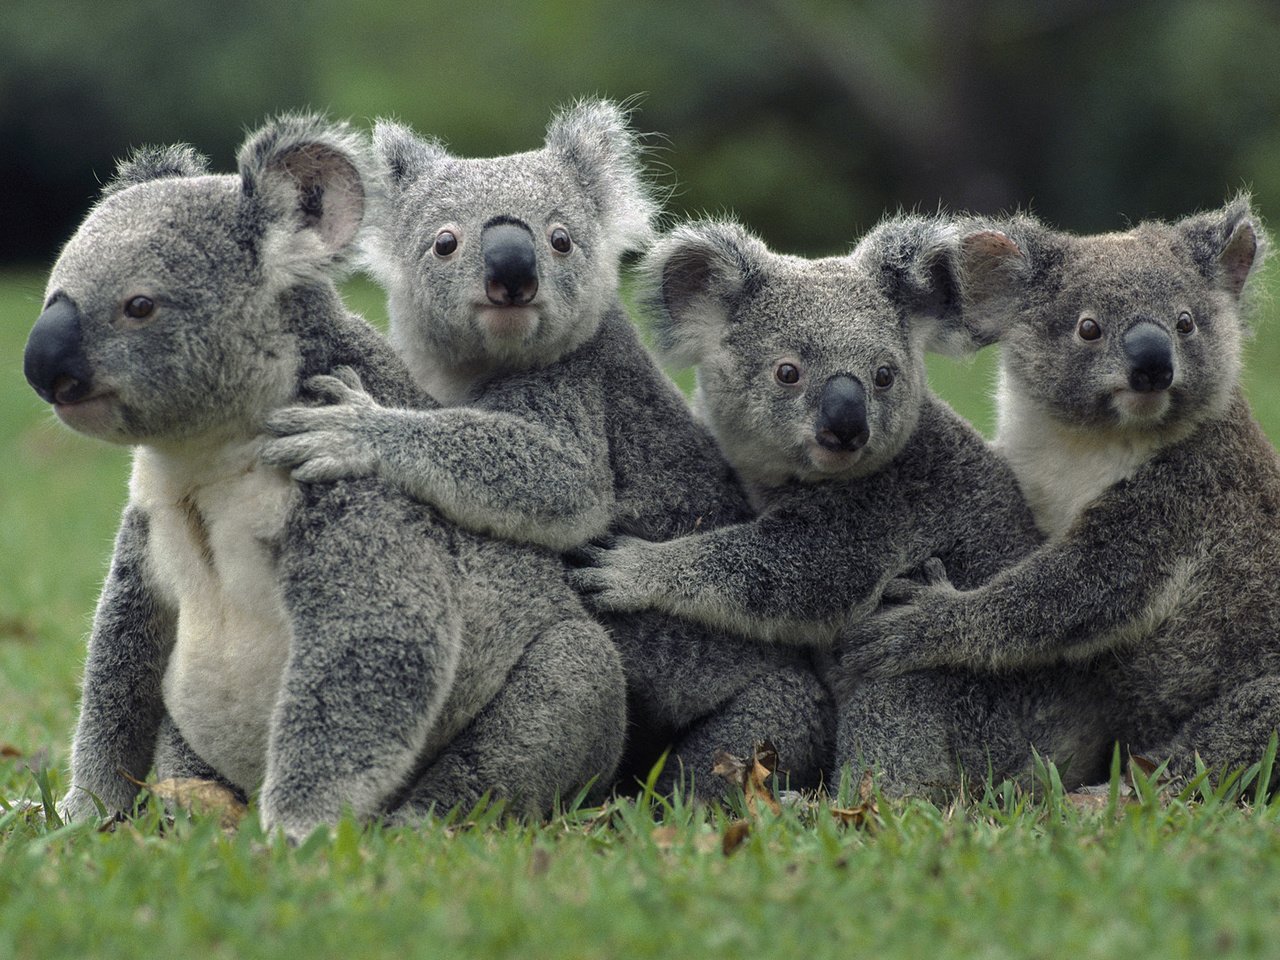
[(320, 457), (342, 386), (607, 573)]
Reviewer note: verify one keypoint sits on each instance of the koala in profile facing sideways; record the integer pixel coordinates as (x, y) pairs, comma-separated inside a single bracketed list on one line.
[(502, 282), (339, 645), (811, 375), (1121, 412)]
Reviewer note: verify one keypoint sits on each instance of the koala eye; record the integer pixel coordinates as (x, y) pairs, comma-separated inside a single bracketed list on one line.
[(883, 378), (1186, 323), (139, 308), (1088, 329), (560, 240), (446, 243), (787, 373)]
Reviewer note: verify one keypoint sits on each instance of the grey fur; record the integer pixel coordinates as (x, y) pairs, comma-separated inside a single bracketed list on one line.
[(835, 528), (565, 429), (415, 665), (1161, 507)]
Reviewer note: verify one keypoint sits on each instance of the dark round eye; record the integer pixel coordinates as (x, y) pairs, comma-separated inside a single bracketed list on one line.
[(560, 241), (883, 378), (787, 373), (1186, 322), (445, 244), (139, 307), (1088, 329)]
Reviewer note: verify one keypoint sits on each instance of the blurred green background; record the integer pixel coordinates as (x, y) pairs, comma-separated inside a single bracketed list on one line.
[(809, 118)]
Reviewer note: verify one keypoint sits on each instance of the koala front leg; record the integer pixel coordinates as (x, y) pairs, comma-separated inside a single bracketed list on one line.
[(121, 703), (375, 647)]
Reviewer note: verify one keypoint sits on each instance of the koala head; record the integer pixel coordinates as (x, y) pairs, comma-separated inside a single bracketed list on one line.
[(507, 262), (162, 317), (806, 369), (1135, 332)]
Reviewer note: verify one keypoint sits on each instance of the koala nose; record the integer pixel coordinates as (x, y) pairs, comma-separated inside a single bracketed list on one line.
[(1149, 350), (54, 361), (510, 264), (842, 414)]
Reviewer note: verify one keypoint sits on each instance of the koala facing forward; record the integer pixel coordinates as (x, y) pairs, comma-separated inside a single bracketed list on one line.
[(1120, 410), (339, 645), (502, 282), (811, 375)]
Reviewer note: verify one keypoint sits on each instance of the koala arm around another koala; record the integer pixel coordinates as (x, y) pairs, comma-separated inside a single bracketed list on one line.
[(532, 476), (121, 701), (1115, 574), (775, 578)]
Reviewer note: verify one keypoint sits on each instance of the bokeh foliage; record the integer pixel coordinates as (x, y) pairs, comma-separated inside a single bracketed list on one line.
[(809, 118)]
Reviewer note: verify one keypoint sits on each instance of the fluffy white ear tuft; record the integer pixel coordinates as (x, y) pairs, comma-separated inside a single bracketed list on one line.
[(594, 139), (693, 279)]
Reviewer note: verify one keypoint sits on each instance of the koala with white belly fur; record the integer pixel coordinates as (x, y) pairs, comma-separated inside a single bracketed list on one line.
[(337, 645), (1122, 415)]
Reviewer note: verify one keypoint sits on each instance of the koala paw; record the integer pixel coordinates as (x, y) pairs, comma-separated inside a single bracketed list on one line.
[(325, 443), (610, 574), (884, 645)]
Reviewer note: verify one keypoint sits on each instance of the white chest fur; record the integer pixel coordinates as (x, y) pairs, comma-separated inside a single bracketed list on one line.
[(1062, 470), (215, 523)]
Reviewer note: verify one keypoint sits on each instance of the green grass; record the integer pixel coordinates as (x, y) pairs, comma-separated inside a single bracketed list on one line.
[(1005, 875)]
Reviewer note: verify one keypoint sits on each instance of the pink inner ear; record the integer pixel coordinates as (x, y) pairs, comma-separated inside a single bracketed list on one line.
[(1237, 257), (990, 244), (330, 193)]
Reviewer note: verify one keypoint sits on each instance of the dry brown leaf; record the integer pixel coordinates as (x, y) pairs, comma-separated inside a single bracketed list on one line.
[(751, 775), (735, 835), (9, 751), (1146, 765), (206, 798)]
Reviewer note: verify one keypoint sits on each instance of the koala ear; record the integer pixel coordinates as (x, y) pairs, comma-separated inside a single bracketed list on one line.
[(312, 175), (693, 279), (156, 163), (405, 156), (593, 139), (991, 267), (915, 260), (1227, 245)]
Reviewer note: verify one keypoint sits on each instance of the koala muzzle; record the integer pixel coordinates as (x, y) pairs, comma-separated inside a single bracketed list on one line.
[(54, 361), (842, 415), (510, 264), (1149, 350)]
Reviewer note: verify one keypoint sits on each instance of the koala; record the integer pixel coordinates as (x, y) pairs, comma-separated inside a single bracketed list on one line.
[(811, 376), (1121, 413), (557, 426), (333, 645)]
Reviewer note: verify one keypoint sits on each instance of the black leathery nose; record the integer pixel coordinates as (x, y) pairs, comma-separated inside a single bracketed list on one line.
[(1149, 350), (54, 362), (510, 264), (842, 414)]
